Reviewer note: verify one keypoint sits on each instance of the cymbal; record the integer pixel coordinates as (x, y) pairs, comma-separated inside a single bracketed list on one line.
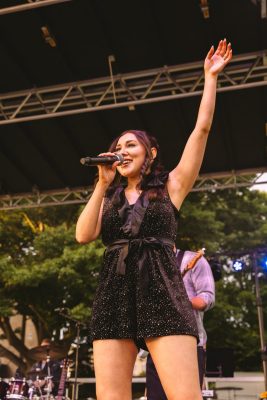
[(33, 373), (54, 351)]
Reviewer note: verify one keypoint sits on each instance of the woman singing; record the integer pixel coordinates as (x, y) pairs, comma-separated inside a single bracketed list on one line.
[(141, 300)]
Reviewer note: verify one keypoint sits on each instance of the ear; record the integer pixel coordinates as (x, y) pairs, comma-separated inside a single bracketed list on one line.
[(154, 152)]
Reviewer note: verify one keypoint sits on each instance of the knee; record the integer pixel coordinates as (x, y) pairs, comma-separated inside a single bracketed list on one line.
[(112, 394), (185, 396)]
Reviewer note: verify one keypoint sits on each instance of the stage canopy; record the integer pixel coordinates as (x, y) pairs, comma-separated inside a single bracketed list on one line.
[(75, 73)]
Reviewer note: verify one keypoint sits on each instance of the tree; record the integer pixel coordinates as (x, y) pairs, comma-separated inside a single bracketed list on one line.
[(43, 268), (233, 322), (226, 222), (48, 270)]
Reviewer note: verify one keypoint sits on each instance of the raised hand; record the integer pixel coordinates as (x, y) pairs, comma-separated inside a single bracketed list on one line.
[(217, 60)]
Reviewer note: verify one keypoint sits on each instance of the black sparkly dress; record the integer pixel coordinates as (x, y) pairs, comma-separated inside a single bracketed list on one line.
[(141, 292)]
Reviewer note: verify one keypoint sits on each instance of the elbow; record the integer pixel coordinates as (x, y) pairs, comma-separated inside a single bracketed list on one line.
[(85, 238), (205, 130), (82, 239)]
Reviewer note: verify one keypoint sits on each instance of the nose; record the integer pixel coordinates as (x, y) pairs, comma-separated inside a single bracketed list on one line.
[(122, 151)]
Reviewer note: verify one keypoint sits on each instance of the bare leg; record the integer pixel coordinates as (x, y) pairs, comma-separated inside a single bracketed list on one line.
[(175, 358), (114, 362)]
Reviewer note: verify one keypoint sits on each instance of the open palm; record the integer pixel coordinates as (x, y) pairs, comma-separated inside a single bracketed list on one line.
[(217, 60)]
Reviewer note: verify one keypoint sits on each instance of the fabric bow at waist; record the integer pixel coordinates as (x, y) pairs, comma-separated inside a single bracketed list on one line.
[(140, 245)]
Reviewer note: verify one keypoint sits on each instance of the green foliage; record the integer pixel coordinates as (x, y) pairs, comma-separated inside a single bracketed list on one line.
[(233, 322), (224, 221), (43, 268), (48, 270)]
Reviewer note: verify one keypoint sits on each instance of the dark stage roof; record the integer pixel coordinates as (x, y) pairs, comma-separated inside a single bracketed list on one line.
[(43, 154)]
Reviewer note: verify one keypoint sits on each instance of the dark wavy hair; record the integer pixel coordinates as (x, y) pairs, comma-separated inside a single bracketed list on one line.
[(149, 170)]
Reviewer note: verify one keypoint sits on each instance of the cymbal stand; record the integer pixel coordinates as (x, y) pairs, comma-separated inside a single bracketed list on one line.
[(38, 388), (48, 377)]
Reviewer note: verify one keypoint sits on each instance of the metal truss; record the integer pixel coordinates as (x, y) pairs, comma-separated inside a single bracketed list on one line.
[(45, 199), (232, 180), (209, 182), (29, 5), (129, 90)]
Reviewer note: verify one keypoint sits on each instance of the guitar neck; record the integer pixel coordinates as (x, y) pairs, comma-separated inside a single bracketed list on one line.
[(63, 377), (193, 262)]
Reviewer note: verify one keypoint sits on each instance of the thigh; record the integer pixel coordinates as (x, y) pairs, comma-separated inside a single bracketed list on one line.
[(114, 361), (175, 358)]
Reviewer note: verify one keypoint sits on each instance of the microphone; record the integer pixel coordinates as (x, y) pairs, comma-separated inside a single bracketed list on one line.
[(101, 160)]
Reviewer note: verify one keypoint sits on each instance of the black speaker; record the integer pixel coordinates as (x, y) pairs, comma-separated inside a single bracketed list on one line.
[(220, 362)]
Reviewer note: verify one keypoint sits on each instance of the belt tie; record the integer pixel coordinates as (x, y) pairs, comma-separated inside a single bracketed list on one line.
[(143, 247)]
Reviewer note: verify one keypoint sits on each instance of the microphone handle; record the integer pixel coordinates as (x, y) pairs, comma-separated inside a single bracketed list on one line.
[(106, 160)]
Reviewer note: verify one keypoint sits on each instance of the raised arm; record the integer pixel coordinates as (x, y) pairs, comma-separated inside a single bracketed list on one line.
[(183, 176), (88, 225)]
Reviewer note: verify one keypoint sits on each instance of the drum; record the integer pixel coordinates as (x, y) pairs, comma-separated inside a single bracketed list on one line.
[(3, 389), (18, 389)]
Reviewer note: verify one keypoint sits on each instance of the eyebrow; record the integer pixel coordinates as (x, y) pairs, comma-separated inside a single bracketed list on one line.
[(128, 141)]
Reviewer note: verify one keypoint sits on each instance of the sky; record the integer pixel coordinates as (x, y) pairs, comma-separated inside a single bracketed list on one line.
[(262, 186)]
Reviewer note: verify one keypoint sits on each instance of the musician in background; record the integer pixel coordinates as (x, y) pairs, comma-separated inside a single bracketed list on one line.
[(44, 375), (200, 287), (45, 367)]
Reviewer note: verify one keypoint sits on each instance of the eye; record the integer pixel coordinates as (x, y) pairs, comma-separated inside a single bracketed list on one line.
[(131, 145)]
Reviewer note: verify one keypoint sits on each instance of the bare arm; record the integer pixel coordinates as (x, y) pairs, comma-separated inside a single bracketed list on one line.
[(183, 176), (198, 303), (88, 225)]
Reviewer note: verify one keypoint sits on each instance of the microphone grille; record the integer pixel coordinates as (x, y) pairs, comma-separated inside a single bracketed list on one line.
[(120, 158), (83, 161)]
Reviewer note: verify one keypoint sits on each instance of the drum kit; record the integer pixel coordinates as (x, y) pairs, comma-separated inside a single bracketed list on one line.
[(39, 384)]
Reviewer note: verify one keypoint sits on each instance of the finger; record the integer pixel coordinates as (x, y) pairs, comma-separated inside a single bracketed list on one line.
[(227, 51), (115, 165), (217, 52), (223, 48), (229, 57), (210, 53), (106, 154)]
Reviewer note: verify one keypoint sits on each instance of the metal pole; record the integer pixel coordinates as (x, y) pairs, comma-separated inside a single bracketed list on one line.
[(260, 315), (76, 387), (29, 6)]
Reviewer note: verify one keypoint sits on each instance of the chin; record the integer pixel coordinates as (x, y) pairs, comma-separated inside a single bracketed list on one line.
[(127, 173)]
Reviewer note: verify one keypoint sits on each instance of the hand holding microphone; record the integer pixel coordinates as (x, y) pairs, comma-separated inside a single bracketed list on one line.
[(106, 163)]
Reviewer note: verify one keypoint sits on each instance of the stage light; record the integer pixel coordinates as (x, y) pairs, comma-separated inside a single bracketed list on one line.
[(205, 8), (238, 265), (263, 263), (47, 36)]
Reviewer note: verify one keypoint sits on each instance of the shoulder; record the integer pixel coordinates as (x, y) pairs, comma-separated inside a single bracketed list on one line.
[(155, 180), (201, 263)]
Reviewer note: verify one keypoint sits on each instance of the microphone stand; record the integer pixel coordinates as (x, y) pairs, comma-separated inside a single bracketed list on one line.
[(78, 324)]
